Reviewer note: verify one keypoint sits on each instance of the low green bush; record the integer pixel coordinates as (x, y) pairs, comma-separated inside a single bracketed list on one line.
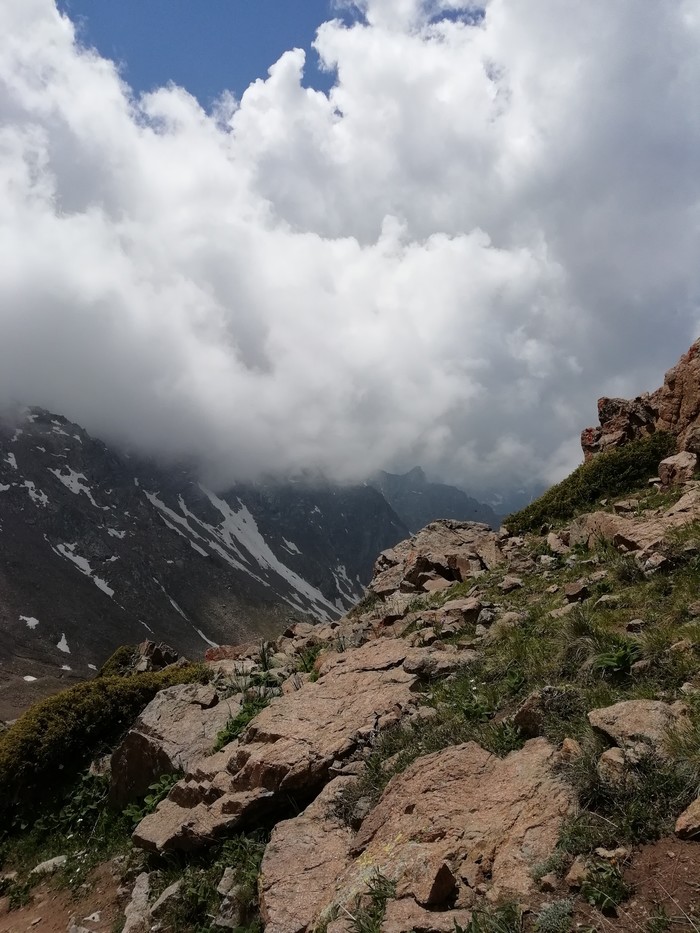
[(609, 474), (56, 738), (121, 662)]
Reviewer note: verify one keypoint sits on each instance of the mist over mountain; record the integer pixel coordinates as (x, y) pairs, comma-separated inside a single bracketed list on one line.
[(485, 223), (418, 502)]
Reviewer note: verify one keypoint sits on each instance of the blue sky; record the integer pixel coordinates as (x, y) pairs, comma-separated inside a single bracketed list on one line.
[(204, 46)]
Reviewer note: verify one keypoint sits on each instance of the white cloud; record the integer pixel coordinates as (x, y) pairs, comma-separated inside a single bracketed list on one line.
[(445, 260)]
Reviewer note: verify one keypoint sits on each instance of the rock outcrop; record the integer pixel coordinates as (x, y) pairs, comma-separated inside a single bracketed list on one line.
[(674, 408)]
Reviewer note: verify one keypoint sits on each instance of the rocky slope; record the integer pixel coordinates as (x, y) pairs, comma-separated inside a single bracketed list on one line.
[(502, 736), (418, 502), (98, 549)]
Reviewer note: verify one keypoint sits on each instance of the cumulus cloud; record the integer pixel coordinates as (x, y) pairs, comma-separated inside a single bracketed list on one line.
[(491, 219)]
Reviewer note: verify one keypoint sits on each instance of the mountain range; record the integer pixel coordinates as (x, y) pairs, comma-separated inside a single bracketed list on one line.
[(99, 548)]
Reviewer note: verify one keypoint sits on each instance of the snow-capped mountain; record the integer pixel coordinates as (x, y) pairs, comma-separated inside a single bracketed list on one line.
[(98, 549)]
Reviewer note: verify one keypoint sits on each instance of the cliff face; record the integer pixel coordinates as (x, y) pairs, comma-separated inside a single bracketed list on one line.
[(674, 408)]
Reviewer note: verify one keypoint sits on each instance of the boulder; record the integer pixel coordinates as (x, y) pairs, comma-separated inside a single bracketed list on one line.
[(302, 861), (459, 818), (676, 470), (444, 550), (137, 914), (638, 727), (178, 727)]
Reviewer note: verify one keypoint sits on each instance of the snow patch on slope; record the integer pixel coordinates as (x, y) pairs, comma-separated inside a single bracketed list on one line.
[(75, 482), (68, 551), (240, 526)]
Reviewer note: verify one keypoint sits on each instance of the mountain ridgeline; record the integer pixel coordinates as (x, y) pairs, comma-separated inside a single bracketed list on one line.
[(99, 548)]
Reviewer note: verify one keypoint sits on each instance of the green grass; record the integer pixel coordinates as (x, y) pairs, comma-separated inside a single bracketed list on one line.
[(608, 475), (368, 911), (238, 723)]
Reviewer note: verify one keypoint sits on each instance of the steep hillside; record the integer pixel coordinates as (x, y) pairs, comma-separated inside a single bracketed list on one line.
[(98, 549), (418, 502), (503, 736)]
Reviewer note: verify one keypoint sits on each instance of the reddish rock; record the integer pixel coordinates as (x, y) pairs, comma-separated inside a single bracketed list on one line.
[(688, 823), (466, 811), (674, 408), (676, 470), (638, 726), (304, 857), (178, 726)]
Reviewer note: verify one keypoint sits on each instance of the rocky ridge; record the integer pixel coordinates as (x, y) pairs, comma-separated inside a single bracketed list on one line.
[(460, 826), (502, 735), (674, 408)]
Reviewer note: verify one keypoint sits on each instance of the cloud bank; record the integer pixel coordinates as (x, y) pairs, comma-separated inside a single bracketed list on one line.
[(491, 219)]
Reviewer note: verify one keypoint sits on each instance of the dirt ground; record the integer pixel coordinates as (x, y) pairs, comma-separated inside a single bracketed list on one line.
[(665, 877), (51, 910)]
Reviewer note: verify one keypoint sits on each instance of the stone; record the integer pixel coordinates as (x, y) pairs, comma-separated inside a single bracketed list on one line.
[(50, 866), (612, 765), (302, 861), (625, 506), (577, 873), (466, 610), (557, 544), (448, 549), (638, 726), (688, 823), (549, 883), (428, 817), (576, 592), (619, 855), (178, 726), (676, 470), (503, 624), (510, 583), (570, 750), (406, 914), (529, 717), (170, 893), (562, 611), (635, 625), (137, 913), (640, 667)]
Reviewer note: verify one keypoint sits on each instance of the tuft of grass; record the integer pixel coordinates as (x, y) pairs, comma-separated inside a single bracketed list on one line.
[(238, 723), (507, 918), (608, 475), (369, 910), (640, 807), (604, 887)]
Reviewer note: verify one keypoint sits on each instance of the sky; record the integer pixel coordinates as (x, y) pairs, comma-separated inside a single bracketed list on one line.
[(206, 47), (439, 249)]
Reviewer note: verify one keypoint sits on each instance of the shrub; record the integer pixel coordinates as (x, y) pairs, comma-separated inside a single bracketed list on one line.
[(555, 917), (604, 886), (121, 662), (57, 737), (609, 474)]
